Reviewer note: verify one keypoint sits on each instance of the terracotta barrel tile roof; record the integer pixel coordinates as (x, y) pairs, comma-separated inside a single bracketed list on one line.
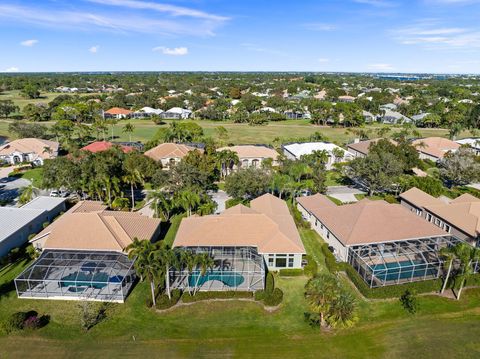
[(252, 151), (170, 150), (100, 146), (267, 225), (118, 111)]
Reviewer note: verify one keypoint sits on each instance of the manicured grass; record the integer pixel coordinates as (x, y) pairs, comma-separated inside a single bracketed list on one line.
[(20, 101), (242, 133), (335, 178), (35, 175), (361, 196), (442, 328), (172, 230), (313, 242)]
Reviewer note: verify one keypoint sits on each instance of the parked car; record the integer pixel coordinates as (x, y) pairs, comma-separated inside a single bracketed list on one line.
[(54, 193)]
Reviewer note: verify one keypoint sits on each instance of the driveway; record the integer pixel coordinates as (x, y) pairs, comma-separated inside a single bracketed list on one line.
[(475, 185), (344, 194), (10, 187), (220, 197), (4, 171)]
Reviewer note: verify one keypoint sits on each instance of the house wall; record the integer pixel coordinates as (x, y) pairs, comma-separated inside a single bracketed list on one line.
[(448, 227), (417, 210), (340, 251), (166, 162), (355, 153), (424, 156), (292, 260), (20, 237)]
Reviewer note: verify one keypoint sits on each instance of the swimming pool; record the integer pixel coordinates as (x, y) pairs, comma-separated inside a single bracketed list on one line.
[(402, 270), (82, 279), (231, 279)]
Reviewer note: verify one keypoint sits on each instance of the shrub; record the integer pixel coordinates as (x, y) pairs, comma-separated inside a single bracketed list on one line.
[(259, 295), (269, 283), (187, 298), (24, 320), (273, 299), (390, 198), (311, 268), (409, 301), (163, 302), (234, 201), (120, 203), (291, 272), (330, 260)]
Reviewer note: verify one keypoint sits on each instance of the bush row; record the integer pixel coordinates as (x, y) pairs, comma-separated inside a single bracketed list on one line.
[(163, 302), (187, 298), (311, 269), (291, 272)]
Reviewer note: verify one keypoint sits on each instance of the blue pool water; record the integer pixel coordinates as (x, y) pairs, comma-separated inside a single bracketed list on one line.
[(82, 279), (390, 271), (231, 279)]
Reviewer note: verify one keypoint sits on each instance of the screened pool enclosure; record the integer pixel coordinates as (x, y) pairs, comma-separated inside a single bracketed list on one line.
[(234, 268), (77, 275), (381, 264)]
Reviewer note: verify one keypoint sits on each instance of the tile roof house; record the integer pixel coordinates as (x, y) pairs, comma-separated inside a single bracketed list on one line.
[(364, 222), (34, 150), (434, 148), (252, 155), (460, 216), (89, 226), (267, 226), (361, 148), (117, 112), (99, 146), (294, 151), (169, 153)]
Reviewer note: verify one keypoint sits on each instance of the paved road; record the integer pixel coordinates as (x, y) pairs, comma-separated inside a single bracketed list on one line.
[(220, 197), (344, 193), (10, 187)]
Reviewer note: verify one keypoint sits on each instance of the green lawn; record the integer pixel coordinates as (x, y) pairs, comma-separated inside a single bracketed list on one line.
[(241, 133), (441, 329), (20, 101), (35, 175)]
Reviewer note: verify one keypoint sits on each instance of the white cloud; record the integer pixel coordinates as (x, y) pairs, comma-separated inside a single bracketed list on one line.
[(165, 8), (175, 51), (29, 43), (316, 26), (432, 36), (169, 24), (381, 67), (94, 49), (11, 69), (323, 60)]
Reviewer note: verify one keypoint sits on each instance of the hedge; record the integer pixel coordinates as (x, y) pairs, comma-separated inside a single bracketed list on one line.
[(269, 283), (273, 299), (291, 272), (311, 269), (330, 260), (187, 298), (163, 302)]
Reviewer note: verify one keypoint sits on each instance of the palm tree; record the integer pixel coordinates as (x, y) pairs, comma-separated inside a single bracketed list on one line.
[(190, 261), (111, 187), (112, 122), (27, 194), (128, 128), (188, 200), (467, 255), (225, 160), (147, 263), (133, 177), (206, 262), (448, 256), (162, 204), (342, 312), (320, 293), (168, 258)]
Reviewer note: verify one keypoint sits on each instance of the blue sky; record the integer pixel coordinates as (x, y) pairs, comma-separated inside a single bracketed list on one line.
[(441, 36)]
